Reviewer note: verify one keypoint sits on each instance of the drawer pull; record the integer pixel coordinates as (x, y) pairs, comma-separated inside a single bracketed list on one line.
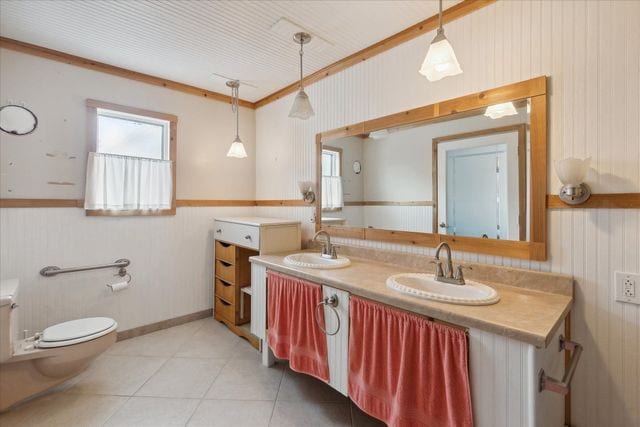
[(562, 386), (224, 263), (248, 237), (224, 302), (219, 231), (332, 303)]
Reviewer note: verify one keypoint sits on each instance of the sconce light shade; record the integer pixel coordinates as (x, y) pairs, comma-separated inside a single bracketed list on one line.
[(306, 188), (572, 172), (501, 110), (237, 149), (301, 108), (441, 60)]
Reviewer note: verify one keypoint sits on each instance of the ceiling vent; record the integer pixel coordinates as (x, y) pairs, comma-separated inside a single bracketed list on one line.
[(288, 29)]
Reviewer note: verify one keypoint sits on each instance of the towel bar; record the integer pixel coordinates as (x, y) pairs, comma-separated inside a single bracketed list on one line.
[(562, 386), (52, 270)]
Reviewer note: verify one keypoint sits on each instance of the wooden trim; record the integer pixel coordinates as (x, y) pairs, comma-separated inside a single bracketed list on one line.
[(214, 203), (599, 201), (90, 64), (567, 359), (389, 203), (294, 202), (93, 103), (163, 324), (522, 164), (451, 14), (356, 129), (41, 203), (79, 203), (92, 126), (536, 247)]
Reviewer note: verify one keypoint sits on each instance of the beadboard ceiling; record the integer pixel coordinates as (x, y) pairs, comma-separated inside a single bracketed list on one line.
[(188, 41)]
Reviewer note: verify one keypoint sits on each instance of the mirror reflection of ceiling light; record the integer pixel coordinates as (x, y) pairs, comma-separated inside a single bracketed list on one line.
[(379, 134), (301, 108), (501, 110), (441, 60), (237, 147)]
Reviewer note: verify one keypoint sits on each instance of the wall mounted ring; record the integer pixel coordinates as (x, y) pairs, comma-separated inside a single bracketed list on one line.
[(332, 303), (17, 120)]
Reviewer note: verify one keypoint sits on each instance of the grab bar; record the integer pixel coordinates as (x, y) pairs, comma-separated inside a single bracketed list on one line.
[(562, 387), (332, 303), (52, 270)]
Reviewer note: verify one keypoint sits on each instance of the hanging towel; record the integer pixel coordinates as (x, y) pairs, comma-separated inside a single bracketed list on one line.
[(406, 370), (292, 331)]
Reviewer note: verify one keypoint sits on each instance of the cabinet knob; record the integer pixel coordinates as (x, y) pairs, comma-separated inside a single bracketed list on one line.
[(218, 230), (248, 237)]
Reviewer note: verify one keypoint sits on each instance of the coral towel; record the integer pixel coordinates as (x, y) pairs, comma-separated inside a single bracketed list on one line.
[(293, 333), (406, 370)]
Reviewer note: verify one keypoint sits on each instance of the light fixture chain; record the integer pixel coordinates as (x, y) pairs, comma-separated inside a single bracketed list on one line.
[(301, 53)]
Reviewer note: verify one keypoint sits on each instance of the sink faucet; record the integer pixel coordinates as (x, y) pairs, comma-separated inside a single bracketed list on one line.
[(328, 250), (447, 275)]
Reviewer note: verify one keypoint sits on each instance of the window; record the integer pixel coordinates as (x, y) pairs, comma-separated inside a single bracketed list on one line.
[(131, 170), (332, 195), (132, 135)]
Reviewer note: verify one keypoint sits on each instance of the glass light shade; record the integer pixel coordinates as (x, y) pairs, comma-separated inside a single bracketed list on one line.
[(301, 108), (501, 110), (237, 149), (572, 171), (441, 60)]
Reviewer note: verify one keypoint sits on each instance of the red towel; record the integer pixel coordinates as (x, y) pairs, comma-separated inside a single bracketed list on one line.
[(406, 370), (293, 333)]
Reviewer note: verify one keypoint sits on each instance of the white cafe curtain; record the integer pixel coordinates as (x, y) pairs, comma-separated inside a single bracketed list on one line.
[(332, 197), (117, 182)]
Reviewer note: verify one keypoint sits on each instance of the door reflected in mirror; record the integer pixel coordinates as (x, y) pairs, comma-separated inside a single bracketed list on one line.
[(465, 174)]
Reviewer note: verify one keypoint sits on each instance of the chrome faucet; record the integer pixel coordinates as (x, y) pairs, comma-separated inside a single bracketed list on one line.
[(328, 250), (447, 275)]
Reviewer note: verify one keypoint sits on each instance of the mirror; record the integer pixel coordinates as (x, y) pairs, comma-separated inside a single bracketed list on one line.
[(17, 120), (461, 174)]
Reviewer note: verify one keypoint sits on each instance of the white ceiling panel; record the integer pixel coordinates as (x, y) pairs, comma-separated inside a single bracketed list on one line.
[(188, 41)]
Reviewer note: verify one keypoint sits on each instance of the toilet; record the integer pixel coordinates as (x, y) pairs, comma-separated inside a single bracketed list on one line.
[(31, 365)]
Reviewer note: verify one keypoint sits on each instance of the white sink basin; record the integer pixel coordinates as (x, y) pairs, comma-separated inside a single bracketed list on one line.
[(315, 260), (424, 285)]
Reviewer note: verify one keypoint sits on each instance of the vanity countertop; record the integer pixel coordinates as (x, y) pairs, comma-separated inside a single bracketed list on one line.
[(528, 315)]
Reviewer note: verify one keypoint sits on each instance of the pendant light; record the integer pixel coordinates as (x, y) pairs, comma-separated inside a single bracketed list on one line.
[(301, 108), (441, 60), (237, 148)]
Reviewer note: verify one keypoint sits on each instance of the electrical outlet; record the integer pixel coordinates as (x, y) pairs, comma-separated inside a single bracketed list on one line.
[(626, 287)]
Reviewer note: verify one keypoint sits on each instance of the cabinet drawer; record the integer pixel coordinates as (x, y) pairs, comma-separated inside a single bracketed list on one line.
[(226, 271), (225, 310), (226, 252), (225, 290), (244, 235)]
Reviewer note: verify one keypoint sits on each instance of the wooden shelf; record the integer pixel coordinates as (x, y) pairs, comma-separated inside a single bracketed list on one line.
[(599, 201)]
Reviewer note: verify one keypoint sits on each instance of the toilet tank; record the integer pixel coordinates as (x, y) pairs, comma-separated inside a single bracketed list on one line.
[(8, 317)]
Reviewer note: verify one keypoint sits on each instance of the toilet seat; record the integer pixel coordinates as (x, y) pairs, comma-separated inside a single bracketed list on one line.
[(76, 331)]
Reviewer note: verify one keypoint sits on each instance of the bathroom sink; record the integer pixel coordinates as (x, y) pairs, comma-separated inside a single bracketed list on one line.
[(424, 285), (316, 260)]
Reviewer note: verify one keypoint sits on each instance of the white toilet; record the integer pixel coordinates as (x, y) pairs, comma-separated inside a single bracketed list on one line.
[(29, 366)]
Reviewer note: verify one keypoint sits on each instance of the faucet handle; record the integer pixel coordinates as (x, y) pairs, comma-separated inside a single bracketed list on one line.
[(459, 276), (438, 263)]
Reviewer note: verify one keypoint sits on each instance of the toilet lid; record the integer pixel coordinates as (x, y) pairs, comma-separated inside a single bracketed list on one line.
[(75, 329)]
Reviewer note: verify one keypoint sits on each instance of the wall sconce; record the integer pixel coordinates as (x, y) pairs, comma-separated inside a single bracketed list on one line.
[(572, 172), (307, 190)]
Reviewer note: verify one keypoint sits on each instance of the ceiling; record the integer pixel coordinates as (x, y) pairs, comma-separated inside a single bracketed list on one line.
[(188, 41)]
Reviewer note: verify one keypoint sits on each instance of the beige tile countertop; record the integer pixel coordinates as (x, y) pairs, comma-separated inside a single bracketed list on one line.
[(524, 312)]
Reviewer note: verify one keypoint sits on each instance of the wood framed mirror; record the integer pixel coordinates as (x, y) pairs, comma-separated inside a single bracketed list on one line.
[(470, 171)]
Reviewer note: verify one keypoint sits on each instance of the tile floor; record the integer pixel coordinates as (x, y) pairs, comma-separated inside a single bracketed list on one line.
[(196, 374)]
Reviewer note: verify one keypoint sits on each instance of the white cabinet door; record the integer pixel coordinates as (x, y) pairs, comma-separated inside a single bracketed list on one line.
[(258, 300), (338, 344)]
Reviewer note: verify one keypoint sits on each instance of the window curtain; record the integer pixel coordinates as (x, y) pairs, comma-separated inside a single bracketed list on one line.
[(332, 197), (117, 182)]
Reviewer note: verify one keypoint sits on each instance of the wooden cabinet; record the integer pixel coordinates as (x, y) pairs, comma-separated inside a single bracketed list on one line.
[(236, 240)]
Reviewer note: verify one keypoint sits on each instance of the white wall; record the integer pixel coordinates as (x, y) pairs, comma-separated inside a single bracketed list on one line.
[(591, 51), (171, 256)]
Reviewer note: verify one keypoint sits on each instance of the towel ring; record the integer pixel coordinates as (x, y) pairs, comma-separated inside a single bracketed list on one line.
[(332, 303)]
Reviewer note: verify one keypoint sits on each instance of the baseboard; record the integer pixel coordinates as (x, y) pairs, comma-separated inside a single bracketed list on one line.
[(163, 324)]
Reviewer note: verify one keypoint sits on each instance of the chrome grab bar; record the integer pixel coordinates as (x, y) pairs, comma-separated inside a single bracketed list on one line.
[(562, 386), (332, 303), (52, 270)]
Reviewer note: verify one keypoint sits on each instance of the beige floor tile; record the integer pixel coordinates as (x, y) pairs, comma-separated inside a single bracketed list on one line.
[(63, 410), (225, 413), (298, 387), (361, 419), (162, 343), (308, 414), (246, 379), (153, 412), (117, 375), (182, 377), (212, 341)]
